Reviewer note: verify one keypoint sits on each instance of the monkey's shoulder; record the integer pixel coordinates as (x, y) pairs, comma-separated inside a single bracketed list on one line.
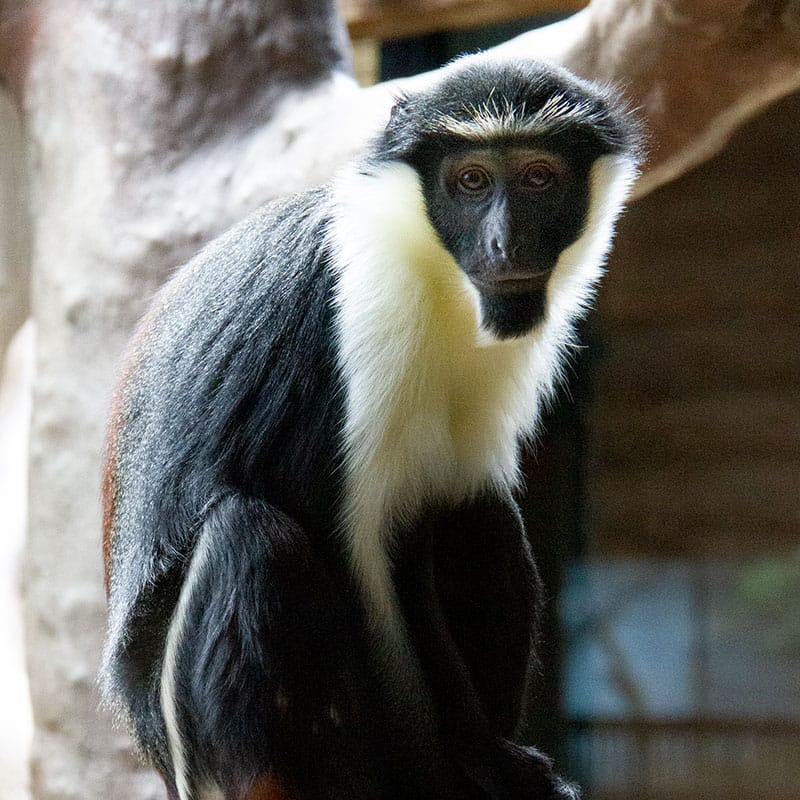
[(273, 245), (249, 282), (228, 329), (232, 352)]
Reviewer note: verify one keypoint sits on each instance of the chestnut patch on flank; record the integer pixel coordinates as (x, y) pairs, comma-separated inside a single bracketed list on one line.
[(268, 787)]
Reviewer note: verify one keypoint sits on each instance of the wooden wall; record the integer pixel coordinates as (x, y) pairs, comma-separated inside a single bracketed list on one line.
[(695, 425), (388, 19)]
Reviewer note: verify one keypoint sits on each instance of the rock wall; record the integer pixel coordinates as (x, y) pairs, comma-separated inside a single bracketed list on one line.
[(16, 378), (15, 227)]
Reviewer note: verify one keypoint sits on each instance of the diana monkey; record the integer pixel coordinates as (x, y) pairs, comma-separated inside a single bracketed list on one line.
[(319, 583)]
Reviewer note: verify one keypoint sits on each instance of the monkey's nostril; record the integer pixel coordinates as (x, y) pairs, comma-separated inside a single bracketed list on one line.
[(497, 247)]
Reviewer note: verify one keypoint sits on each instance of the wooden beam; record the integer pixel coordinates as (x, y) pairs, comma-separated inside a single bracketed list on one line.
[(390, 19)]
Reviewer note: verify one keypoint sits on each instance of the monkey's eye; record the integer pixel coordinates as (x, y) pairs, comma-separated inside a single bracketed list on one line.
[(538, 176), (474, 180)]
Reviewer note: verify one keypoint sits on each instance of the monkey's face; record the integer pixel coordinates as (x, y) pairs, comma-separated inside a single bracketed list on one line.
[(512, 157), (506, 214)]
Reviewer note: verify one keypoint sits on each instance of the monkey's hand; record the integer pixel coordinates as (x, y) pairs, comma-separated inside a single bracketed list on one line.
[(524, 772)]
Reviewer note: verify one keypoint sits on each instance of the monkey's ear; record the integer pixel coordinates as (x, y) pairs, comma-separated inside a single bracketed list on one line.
[(400, 108), (399, 132)]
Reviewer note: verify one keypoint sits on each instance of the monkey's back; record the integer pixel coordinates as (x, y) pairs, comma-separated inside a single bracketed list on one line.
[(230, 385)]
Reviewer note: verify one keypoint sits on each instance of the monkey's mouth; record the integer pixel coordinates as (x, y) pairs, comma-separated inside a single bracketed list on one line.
[(511, 282)]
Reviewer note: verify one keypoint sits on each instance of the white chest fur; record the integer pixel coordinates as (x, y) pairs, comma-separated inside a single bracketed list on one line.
[(435, 405)]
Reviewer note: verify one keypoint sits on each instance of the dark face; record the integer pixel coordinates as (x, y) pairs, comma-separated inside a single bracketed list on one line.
[(506, 214)]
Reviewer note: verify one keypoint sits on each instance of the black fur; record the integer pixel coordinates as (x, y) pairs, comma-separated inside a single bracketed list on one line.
[(604, 126), (244, 348), (227, 439)]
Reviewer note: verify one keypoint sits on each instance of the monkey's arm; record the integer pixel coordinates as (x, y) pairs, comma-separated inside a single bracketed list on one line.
[(489, 592), (263, 671), (470, 592)]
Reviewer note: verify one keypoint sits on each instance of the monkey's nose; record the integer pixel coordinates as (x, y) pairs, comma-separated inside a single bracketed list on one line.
[(498, 248)]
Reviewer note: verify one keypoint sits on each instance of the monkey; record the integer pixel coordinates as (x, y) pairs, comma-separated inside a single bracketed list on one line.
[(319, 584)]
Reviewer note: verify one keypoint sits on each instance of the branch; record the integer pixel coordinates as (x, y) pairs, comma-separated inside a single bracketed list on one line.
[(696, 69)]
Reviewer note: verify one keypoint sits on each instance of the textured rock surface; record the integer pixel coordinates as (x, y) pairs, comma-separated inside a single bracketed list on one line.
[(14, 224), (16, 377)]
